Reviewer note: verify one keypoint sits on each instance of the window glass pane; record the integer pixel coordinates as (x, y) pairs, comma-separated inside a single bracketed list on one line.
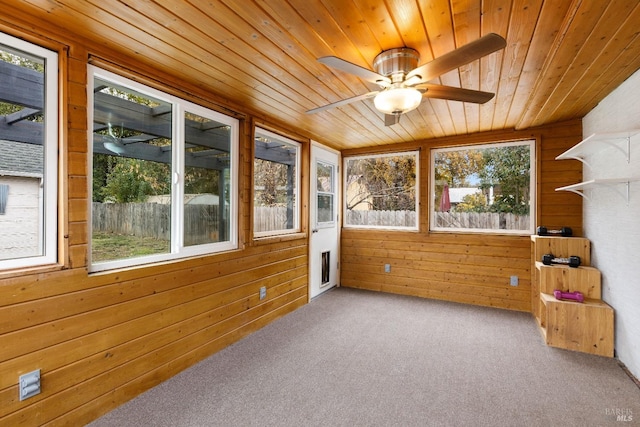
[(132, 165), (324, 173), (325, 208), (483, 188), (164, 176), (381, 191), (206, 180), (28, 144), (276, 184), (325, 192)]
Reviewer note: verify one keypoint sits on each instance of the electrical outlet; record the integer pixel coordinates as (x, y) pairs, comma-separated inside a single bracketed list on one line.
[(29, 384), (514, 281), (387, 268), (263, 292)]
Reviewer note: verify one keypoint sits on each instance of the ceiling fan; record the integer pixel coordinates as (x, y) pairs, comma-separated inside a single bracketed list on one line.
[(114, 143), (403, 84)]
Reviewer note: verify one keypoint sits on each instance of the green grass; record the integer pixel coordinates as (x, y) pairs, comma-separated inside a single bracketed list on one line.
[(109, 247)]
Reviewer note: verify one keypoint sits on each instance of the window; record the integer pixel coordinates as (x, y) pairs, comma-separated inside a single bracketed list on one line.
[(381, 191), (485, 188), (28, 154), (4, 194), (276, 184), (325, 194), (164, 175)]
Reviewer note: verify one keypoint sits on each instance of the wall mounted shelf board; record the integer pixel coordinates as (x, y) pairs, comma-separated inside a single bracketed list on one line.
[(580, 187), (594, 143)]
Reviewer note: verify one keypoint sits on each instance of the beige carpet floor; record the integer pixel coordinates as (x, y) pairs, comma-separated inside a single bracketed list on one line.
[(358, 358)]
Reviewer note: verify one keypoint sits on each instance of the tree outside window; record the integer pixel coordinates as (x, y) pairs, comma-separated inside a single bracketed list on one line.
[(486, 188), (381, 191)]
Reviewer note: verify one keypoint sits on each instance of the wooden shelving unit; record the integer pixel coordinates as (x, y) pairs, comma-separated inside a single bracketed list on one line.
[(586, 326)]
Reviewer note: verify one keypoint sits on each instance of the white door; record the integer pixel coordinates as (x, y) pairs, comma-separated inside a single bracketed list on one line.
[(324, 220)]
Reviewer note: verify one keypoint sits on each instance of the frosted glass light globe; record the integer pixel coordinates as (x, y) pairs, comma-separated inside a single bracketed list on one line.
[(397, 100)]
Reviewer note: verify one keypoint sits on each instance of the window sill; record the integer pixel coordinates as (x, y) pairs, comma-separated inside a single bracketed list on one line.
[(484, 232), (29, 271), (265, 240)]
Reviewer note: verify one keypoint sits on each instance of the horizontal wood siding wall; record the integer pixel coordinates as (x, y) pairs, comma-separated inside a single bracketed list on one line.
[(102, 339), (467, 268)]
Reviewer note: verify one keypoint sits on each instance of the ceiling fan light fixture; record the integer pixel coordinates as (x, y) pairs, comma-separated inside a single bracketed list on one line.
[(397, 100)]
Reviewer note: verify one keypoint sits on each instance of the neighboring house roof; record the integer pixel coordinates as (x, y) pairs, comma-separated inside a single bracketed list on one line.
[(457, 194), (21, 159)]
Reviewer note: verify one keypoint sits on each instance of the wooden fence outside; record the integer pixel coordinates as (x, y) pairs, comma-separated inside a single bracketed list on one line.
[(473, 220), (154, 220), (201, 224), (382, 218), (485, 220), (269, 218)]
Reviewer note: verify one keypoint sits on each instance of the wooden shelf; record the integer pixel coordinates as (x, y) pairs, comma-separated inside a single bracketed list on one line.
[(569, 279), (562, 247), (585, 327), (546, 298)]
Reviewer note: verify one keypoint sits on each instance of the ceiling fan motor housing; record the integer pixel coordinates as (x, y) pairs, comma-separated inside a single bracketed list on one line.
[(396, 63)]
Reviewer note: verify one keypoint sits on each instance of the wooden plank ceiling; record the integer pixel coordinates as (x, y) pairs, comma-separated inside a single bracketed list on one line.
[(562, 56)]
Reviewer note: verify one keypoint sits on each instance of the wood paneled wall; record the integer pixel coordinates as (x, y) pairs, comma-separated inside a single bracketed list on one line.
[(467, 268), (101, 339)]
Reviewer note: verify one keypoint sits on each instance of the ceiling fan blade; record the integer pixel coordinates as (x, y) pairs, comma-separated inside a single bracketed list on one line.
[(458, 57), (137, 138), (363, 73), (455, 93), (391, 119), (343, 102)]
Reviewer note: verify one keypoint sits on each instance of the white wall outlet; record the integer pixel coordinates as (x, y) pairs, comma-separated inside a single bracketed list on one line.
[(387, 268), (514, 281), (263, 292), (29, 384)]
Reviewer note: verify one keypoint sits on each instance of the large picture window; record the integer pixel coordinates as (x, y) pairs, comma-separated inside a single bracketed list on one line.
[(485, 188), (164, 175), (276, 184), (28, 154), (381, 191)]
